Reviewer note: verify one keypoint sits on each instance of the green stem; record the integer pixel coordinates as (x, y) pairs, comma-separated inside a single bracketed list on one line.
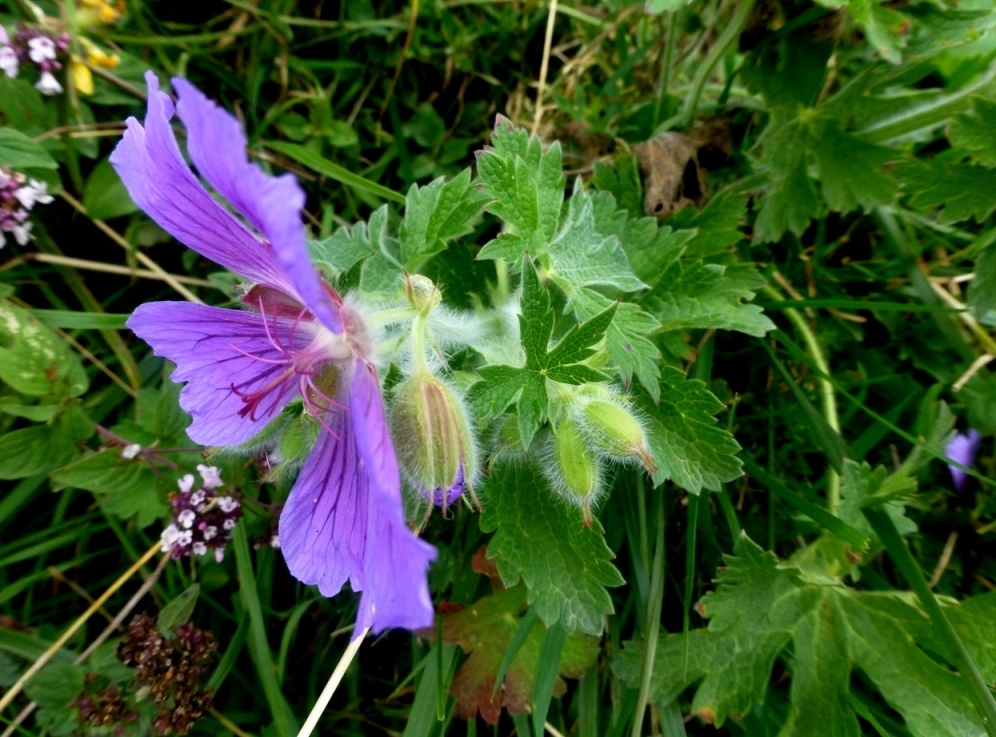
[(501, 273), (418, 345), (885, 528), (827, 397), (730, 514), (396, 314), (654, 603), (716, 53)]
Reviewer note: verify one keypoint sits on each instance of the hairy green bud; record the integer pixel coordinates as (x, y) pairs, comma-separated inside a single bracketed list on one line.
[(421, 292), (578, 470), (507, 443), (432, 438), (612, 429)]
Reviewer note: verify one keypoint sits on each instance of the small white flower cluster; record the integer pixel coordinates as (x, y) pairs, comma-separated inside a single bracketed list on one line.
[(17, 197), (32, 46), (203, 519)]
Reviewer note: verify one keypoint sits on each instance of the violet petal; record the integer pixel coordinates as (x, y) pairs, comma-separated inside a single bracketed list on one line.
[(396, 562), (272, 205), (208, 346), (441, 497), (962, 449), (322, 527), (160, 182)]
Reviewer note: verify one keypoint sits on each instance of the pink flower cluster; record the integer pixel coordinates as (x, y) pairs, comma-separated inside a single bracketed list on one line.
[(202, 519), (36, 48), (17, 197)]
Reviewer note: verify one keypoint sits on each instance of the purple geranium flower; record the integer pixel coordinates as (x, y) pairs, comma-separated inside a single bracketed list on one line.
[(962, 449), (344, 519)]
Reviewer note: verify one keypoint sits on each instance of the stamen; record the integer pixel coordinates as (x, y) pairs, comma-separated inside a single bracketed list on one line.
[(252, 400), (319, 412), (253, 356)]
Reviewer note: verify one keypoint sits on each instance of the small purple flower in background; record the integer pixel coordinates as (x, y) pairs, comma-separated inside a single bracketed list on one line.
[(203, 519), (8, 55), (36, 48), (344, 519), (962, 449), (17, 198)]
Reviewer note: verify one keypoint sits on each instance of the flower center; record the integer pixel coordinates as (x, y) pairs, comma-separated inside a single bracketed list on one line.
[(299, 346)]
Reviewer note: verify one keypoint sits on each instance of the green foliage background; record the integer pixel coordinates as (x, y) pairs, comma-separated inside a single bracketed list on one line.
[(801, 343)]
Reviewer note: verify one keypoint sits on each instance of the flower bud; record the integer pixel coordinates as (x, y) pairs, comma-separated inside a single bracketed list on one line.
[(612, 429), (432, 438), (507, 441), (578, 471), (421, 292)]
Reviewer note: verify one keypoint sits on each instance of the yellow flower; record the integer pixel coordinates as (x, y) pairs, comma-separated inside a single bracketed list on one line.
[(106, 12), (96, 57), (80, 68), (82, 78)]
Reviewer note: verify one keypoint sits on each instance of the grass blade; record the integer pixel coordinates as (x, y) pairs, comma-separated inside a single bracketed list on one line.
[(826, 437), (320, 164), (525, 626), (259, 646), (546, 674), (69, 320)]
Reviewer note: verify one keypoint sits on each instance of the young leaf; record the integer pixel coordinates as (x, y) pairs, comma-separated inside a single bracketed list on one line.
[(861, 484), (689, 448), (527, 188), (581, 257), (567, 581), (178, 611), (380, 271), (501, 384), (701, 295), (627, 339), (761, 605), (435, 214)]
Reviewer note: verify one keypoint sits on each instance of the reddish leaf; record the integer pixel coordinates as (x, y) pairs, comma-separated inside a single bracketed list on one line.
[(484, 630)]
